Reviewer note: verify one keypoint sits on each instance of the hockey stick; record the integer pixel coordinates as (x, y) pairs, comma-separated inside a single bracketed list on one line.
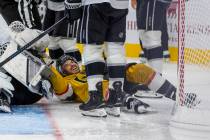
[(32, 42)]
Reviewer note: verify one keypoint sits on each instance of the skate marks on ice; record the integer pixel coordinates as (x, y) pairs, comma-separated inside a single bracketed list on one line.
[(128, 126), (74, 126)]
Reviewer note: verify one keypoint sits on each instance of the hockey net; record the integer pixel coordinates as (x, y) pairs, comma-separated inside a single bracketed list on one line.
[(193, 98)]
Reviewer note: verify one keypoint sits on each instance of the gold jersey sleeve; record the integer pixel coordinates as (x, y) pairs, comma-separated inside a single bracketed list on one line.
[(78, 82), (79, 85)]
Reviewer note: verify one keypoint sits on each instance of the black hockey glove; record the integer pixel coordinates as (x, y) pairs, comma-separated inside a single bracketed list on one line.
[(73, 9)]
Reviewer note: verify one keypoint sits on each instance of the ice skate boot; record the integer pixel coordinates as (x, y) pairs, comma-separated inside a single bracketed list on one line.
[(5, 100), (95, 106)]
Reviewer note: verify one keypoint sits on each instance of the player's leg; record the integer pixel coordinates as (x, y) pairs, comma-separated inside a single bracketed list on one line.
[(29, 14), (54, 50), (116, 60), (19, 96), (36, 15), (91, 32), (142, 74), (165, 37), (22, 95), (68, 32), (63, 37), (149, 21), (150, 33)]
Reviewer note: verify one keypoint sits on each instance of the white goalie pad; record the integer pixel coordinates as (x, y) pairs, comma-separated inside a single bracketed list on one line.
[(24, 67)]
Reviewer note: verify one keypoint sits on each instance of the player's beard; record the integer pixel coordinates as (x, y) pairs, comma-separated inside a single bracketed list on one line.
[(70, 69)]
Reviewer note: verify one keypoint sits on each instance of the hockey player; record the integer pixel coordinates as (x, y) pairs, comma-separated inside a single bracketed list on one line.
[(13, 11), (150, 14), (69, 83), (25, 11), (103, 21), (13, 75), (150, 22), (63, 38)]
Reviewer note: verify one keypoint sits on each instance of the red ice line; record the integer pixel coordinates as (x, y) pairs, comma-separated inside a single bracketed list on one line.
[(57, 132)]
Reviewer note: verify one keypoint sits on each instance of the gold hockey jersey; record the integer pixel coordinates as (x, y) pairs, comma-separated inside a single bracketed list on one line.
[(77, 82)]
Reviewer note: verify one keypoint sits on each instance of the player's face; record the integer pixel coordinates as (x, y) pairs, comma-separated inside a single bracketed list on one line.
[(70, 67)]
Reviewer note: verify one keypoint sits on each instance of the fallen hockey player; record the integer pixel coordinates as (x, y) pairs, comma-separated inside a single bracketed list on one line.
[(69, 83)]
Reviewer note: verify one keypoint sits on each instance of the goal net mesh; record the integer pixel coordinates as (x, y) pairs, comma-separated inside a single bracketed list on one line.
[(193, 97)]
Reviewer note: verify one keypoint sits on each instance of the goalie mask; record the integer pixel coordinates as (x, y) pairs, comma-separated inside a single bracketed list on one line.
[(67, 65)]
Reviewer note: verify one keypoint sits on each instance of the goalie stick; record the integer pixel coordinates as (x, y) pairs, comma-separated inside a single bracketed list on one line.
[(32, 42)]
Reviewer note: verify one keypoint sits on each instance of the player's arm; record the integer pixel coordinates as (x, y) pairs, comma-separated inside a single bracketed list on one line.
[(60, 85)]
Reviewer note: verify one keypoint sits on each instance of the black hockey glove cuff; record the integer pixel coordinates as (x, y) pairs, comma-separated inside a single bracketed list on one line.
[(73, 9)]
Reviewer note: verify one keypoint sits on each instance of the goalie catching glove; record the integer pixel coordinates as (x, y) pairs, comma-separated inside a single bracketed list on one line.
[(22, 35), (73, 9)]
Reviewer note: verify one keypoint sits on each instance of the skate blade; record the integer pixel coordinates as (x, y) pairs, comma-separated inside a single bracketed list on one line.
[(5, 109), (115, 111), (148, 95), (143, 110), (95, 113)]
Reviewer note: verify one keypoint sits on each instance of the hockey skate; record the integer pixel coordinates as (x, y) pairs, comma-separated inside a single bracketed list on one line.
[(5, 101), (133, 104), (95, 106), (115, 95), (147, 94), (115, 100), (113, 111)]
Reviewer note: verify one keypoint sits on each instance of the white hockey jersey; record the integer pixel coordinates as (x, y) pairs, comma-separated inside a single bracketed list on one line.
[(118, 4)]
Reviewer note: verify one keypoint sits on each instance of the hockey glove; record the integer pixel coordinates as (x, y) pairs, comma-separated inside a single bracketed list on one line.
[(22, 35), (73, 9)]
